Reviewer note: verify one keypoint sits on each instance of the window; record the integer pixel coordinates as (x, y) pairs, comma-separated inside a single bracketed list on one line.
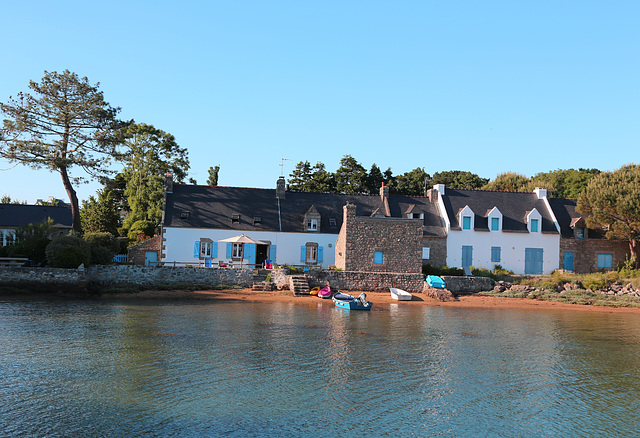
[(534, 225), (580, 233), (205, 248), (312, 254), (495, 224), (417, 216), (235, 218), (466, 222), (332, 222), (184, 215), (378, 258), (312, 225), (426, 252), (257, 220), (495, 254), (236, 250), (605, 260)]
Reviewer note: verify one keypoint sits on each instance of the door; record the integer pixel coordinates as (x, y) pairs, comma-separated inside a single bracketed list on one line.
[(467, 256), (533, 261), (150, 258), (568, 261)]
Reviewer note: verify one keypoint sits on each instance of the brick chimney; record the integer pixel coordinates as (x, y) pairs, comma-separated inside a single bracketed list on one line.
[(168, 182), (384, 197), (280, 188), (349, 211)]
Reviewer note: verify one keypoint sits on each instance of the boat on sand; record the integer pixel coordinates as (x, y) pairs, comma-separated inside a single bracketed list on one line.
[(349, 302), (400, 295)]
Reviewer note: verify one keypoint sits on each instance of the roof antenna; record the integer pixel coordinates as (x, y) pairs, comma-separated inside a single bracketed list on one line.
[(282, 165)]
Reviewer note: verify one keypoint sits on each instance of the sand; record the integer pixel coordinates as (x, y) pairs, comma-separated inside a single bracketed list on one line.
[(380, 300)]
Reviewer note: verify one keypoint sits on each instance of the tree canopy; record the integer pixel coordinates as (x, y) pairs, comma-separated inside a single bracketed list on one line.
[(101, 214), (611, 201), (459, 179), (351, 177), (65, 123), (212, 180)]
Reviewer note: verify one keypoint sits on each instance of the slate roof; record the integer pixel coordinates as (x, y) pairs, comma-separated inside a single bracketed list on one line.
[(566, 213), (15, 215), (214, 207), (514, 207)]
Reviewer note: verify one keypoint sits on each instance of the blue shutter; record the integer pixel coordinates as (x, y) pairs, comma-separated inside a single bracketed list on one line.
[(320, 255), (495, 254), (568, 261), (214, 250), (303, 254), (467, 256), (229, 249), (250, 253), (196, 249), (378, 257), (272, 253)]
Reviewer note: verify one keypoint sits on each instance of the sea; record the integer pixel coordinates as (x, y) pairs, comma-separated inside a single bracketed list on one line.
[(154, 368)]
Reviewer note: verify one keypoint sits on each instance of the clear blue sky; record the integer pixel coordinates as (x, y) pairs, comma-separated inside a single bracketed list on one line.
[(482, 86)]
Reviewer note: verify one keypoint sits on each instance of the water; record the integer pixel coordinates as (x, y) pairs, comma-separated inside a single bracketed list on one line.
[(161, 369)]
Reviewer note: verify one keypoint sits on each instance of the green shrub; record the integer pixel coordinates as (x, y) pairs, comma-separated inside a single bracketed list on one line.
[(101, 255), (106, 240), (146, 228), (595, 281), (58, 256), (434, 270)]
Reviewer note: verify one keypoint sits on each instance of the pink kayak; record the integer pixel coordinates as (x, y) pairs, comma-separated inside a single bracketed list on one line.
[(325, 292)]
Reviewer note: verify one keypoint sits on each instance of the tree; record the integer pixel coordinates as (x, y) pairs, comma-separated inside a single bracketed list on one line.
[(459, 179), (213, 176), (412, 183), (6, 199), (65, 124), (508, 181), (100, 215), (316, 179), (567, 183), (351, 177), (612, 201), (149, 154), (375, 178)]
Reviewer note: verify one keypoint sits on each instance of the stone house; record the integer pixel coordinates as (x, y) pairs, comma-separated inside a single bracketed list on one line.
[(584, 250), (146, 253)]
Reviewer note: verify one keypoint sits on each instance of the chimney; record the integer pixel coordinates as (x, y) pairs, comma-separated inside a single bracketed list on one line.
[(168, 182), (439, 188), (540, 192), (280, 188), (349, 211), (432, 194), (384, 197)]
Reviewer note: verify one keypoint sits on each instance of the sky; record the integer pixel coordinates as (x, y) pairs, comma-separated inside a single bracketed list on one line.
[(257, 86)]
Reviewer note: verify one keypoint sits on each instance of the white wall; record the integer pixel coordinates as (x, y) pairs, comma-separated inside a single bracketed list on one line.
[(178, 244), (512, 249)]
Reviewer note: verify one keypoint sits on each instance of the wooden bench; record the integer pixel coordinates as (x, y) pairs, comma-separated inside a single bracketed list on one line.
[(14, 261)]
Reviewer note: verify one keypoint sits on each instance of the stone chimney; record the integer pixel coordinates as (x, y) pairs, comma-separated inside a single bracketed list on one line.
[(349, 211), (384, 197), (280, 188), (432, 194), (168, 182)]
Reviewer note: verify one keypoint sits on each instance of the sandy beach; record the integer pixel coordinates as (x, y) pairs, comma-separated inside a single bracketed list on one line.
[(380, 300)]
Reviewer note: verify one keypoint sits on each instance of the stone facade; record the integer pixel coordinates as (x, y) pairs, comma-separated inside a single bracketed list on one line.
[(379, 244), (460, 285), (137, 252), (585, 253), (437, 251)]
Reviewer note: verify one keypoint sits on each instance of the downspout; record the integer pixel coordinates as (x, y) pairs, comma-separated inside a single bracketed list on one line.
[(279, 215)]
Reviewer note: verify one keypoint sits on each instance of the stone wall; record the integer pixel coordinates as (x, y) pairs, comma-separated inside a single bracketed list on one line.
[(437, 251), (585, 253), (398, 240), (460, 285), (355, 281), (55, 279)]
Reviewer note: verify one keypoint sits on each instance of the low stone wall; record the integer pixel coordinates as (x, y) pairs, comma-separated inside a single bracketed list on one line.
[(460, 285), (55, 279), (355, 281)]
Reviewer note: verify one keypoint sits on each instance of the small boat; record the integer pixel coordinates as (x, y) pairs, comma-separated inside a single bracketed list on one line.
[(314, 291), (435, 281), (400, 295), (349, 302), (325, 292)]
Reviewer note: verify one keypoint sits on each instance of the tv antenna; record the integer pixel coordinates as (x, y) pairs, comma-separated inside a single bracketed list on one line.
[(282, 165)]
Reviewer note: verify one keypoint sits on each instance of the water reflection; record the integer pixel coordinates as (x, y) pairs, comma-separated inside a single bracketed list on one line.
[(236, 369)]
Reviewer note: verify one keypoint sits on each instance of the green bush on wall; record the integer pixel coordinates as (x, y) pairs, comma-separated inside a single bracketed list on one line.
[(59, 256)]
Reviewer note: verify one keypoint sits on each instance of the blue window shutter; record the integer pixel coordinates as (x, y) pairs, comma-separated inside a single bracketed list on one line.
[(214, 250), (495, 254), (534, 225), (378, 257), (303, 254), (229, 249), (250, 253), (495, 224), (320, 254), (466, 222), (272, 253), (196, 248)]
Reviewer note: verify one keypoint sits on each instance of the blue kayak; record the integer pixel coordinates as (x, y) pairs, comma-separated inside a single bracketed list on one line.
[(435, 281)]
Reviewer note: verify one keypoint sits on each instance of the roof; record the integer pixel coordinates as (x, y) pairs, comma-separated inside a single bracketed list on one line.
[(514, 206), (567, 215), (16, 215), (190, 206)]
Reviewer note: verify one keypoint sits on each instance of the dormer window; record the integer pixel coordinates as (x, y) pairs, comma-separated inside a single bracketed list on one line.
[(257, 220), (312, 220), (184, 215), (235, 218), (332, 222), (495, 224), (466, 222), (416, 216), (495, 219), (466, 219), (312, 225), (580, 233), (534, 225)]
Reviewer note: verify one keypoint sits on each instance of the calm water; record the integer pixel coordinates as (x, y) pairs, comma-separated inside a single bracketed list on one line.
[(87, 368)]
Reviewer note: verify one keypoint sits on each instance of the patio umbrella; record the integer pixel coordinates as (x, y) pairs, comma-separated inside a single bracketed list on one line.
[(243, 239)]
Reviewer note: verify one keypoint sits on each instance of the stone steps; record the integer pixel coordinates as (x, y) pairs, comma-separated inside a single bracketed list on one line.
[(299, 285)]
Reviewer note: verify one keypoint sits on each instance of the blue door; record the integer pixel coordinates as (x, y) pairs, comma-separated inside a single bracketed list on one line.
[(467, 256), (568, 261), (150, 258), (533, 261)]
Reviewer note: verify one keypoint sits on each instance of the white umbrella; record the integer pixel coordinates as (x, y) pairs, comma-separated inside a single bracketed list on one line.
[(243, 239)]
